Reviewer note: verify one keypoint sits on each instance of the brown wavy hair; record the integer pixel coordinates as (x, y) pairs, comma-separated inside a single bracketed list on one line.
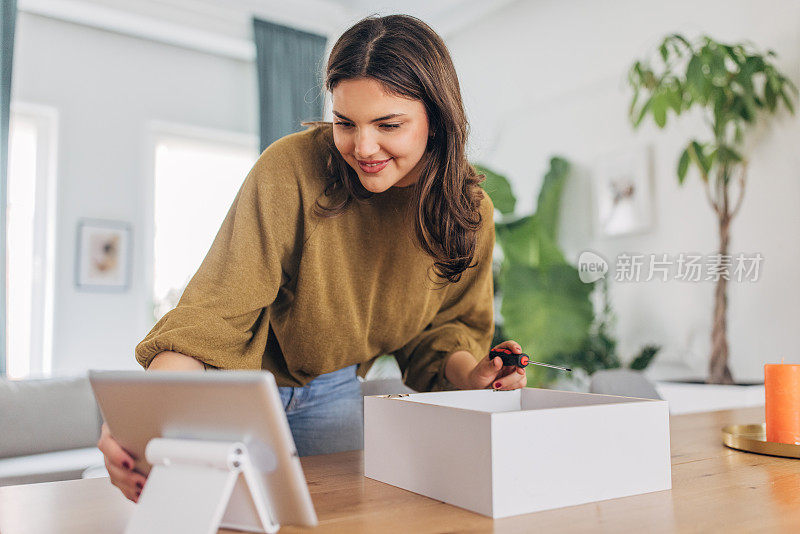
[(410, 60)]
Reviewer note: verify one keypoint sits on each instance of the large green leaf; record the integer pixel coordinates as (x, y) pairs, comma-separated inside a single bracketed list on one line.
[(548, 206), (549, 251), (548, 311), (526, 241), (545, 306), (532, 240), (499, 190), (516, 239)]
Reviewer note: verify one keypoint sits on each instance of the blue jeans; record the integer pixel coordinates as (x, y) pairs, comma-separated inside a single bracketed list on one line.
[(327, 414)]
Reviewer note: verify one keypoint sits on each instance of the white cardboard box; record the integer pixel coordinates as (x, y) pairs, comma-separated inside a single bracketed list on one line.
[(503, 453)]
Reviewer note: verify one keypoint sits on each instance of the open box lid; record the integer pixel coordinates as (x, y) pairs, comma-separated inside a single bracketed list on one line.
[(525, 399)]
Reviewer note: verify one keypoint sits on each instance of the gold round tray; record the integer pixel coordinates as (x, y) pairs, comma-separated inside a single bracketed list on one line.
[(753, 438)]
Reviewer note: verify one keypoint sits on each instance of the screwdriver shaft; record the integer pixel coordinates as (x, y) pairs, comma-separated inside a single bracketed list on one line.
[(531, 362)]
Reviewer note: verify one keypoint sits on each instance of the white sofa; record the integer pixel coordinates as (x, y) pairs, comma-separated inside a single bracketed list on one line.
[(49, 428)]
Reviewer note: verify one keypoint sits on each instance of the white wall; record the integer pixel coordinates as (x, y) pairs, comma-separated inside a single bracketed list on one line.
[(547, 77), (106, 88)]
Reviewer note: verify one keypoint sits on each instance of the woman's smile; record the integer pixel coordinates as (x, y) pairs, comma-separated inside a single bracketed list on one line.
[(373, 166)]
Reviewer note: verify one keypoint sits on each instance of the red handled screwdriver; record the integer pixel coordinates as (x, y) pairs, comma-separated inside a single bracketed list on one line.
[(520, 360)]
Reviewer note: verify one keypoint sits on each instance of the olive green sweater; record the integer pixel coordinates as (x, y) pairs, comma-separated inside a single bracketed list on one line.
[(285, 290)]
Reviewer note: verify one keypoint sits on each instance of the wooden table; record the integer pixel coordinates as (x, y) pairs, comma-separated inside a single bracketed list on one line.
[(715, 489)]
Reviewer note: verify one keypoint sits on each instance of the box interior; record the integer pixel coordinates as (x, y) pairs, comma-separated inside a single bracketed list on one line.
[(526, 399)]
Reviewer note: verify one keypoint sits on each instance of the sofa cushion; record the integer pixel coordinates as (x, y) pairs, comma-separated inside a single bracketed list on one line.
[(45, 415), (48, 467)]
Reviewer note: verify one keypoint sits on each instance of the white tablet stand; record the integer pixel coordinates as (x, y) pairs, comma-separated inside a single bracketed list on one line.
[(193, 483)]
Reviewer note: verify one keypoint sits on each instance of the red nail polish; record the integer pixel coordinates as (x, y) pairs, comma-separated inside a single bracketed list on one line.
[(139, 485), (126, 465), (497, 385)]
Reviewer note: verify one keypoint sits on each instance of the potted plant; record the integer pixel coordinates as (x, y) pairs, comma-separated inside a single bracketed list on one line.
[(733, 85), (544, 305)]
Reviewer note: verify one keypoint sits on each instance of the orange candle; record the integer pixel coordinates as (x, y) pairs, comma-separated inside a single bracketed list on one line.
[(782, 387)]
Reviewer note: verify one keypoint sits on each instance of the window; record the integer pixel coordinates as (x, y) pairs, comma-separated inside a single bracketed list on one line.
[(30, 241), (197, 176)]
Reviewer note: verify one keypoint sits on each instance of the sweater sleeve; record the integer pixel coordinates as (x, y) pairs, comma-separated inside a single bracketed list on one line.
[(222, 316), (464, 321)]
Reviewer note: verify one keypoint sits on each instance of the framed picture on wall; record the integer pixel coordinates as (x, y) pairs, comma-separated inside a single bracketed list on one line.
[(103, 255), (623, 192)]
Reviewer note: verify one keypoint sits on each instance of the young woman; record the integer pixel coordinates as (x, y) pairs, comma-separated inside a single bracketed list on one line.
[(369, 236)]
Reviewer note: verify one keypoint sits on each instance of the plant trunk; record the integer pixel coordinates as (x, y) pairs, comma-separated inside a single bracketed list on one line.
[(718, 372)]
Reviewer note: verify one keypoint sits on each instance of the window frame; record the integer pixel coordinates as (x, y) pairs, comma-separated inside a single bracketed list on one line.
[(156, 131), (46, 119)]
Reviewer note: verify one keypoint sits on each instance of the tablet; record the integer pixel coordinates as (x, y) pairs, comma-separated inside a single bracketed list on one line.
[(240, 406)]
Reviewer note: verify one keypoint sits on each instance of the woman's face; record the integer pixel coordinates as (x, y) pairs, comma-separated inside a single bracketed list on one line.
[(380, 135)]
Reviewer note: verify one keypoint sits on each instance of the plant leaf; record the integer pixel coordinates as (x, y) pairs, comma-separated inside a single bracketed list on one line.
[(642, 112), (683, 165), (699, 158), (675, 97), (726, 154), (516, 239), (694, 75), (499, 190), (787, 101), (659, 108), (548, 204), (770, 98), (529, 241), (644, 358), (682, 39)]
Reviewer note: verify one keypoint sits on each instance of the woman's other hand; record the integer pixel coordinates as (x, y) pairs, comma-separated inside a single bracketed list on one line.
[(120, 466), (118, 462), (466, 374)]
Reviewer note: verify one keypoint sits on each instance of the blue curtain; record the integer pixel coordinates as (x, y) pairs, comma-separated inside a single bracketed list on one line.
[(289, 64), (8, 18)]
